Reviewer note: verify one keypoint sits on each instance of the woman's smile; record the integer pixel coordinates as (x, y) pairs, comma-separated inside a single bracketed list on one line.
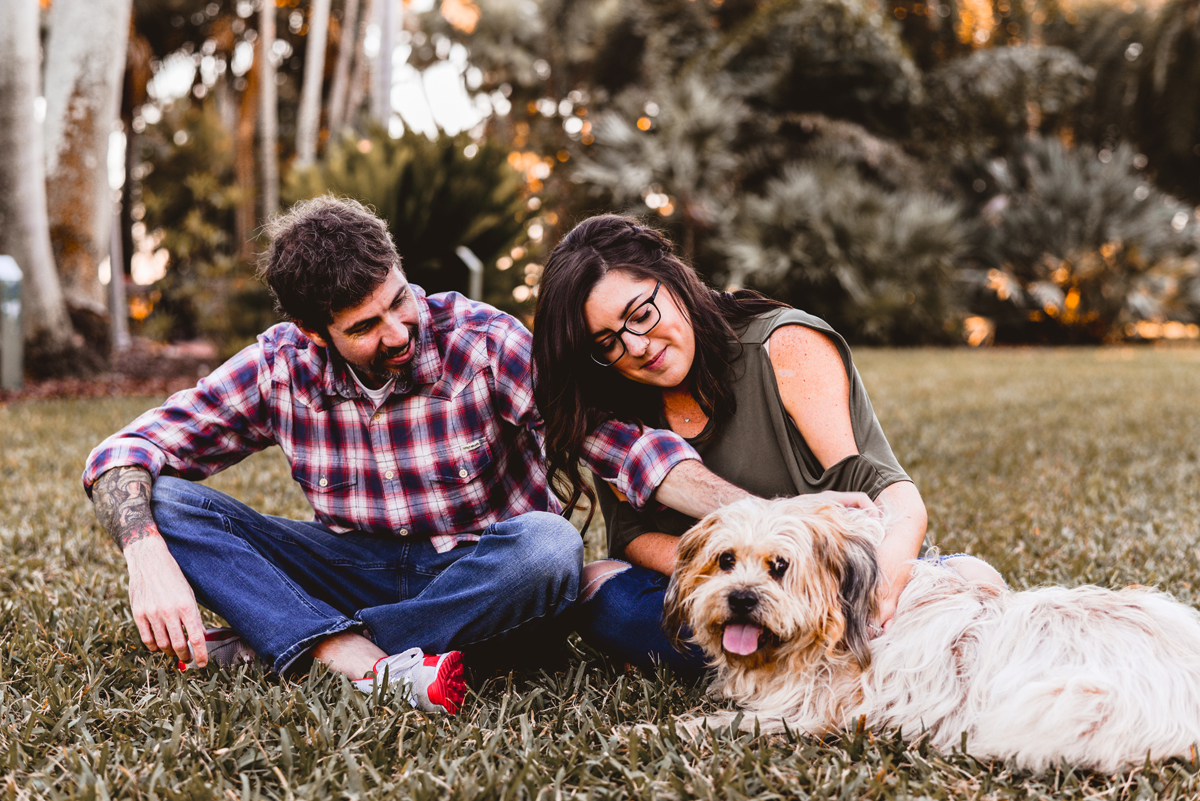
[(661, 355), (657, 362)]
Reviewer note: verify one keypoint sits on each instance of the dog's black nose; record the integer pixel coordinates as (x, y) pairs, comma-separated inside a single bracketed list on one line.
[(742, 602)]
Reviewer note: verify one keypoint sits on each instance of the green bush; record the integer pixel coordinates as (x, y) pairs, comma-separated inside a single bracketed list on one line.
[(685, 167), (1111, 41), (979, 104), (190, 194), (1147, 63), (841, 58), (436, 195), (1169, 98), (875, 264), (1078, 244)]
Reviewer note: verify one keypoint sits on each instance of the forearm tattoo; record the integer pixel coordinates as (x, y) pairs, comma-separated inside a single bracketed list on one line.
[(122, 500)]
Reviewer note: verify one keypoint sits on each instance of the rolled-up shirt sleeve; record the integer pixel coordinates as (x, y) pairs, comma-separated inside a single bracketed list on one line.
[(198, 431), (634, 459)]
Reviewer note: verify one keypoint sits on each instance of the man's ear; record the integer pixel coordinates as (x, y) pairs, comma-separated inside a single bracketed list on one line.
[(313, 335)]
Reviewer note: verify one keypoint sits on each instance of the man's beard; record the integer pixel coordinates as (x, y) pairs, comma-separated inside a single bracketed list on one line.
[(379, 372)]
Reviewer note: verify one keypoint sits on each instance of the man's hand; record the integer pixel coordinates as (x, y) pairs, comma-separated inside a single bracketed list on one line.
[(164, 606)]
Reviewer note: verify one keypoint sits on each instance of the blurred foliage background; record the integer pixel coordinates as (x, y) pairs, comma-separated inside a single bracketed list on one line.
[(914, 172)]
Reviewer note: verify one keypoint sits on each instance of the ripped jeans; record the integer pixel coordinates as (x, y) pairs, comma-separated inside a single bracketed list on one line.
[(624, 619)]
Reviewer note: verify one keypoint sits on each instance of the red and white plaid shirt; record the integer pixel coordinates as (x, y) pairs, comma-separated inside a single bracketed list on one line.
[(451, 451)]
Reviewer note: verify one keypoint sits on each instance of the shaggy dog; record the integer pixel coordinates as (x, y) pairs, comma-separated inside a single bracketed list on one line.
[(781, 595)]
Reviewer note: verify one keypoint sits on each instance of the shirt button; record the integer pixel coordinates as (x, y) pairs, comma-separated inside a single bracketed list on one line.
[(462, 473), (403, 532), (389, 475), (324, 482), (377, 416)]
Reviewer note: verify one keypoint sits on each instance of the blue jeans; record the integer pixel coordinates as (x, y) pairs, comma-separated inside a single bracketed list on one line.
[(285, 585), (624, 619)]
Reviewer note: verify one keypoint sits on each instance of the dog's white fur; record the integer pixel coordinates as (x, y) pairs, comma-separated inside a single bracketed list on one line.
[(1097, 677)]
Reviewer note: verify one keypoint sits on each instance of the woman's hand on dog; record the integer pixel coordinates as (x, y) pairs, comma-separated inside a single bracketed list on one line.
[(905, 522)]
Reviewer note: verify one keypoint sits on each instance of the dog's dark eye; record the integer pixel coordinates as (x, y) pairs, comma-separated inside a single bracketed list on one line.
[(777, 568), (726, 561)]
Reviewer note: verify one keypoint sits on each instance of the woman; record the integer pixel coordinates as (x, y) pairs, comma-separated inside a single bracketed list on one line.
[(767, 395)]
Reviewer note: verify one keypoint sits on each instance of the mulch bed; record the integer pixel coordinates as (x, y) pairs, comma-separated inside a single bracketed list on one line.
[(147, 368)]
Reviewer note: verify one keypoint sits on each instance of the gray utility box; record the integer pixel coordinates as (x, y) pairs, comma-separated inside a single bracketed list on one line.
[(12, 334)]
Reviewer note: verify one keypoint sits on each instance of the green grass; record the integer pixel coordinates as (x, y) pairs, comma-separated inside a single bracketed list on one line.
[(1068, 466)]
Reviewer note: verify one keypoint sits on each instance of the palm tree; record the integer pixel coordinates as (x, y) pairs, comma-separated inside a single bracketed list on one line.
[(308, 125), (268, 132), (85, 62), (24, 226)]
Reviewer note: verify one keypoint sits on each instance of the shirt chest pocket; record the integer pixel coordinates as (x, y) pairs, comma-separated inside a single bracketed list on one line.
[(331, 491), (462, 462)]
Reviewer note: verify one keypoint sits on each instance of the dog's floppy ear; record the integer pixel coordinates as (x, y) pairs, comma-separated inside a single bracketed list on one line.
[(859, 601), (688, 567), (849, 558)]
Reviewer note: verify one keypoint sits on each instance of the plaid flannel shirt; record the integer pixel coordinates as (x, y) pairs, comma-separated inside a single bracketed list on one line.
[(449, 452)]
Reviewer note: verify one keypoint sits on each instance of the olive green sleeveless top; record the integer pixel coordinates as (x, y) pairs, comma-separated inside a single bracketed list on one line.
[(760, 449)]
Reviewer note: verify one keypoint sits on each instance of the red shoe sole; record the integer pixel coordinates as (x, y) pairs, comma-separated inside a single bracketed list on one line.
[(449, 688)]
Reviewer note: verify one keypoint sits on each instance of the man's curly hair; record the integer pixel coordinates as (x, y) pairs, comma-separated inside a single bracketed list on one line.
[(326, 254)]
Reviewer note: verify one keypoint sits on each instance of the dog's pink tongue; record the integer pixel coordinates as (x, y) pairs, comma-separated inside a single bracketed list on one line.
[(741, 638)]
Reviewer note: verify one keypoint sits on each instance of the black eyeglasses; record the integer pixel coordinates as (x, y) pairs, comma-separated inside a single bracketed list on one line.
[(639, 322)]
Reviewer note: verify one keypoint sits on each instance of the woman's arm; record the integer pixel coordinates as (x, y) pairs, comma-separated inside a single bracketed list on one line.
[(654, 550), (905, 518), (815, 391)]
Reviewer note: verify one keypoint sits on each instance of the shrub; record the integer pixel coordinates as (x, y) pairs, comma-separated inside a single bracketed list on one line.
[(841, 58), (685, 167), (1078, 244), (1110, 40), (875, 264), (190, 194), (981, 103), (436, 195), (1169, 98)]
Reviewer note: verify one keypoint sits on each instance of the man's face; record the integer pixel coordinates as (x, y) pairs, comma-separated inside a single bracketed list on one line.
[(378, 337)]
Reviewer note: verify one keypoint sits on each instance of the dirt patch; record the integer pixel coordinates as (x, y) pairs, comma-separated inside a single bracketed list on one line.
[(147, 368)]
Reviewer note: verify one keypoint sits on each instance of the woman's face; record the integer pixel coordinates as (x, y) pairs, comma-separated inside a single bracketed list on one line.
[(661, 356)]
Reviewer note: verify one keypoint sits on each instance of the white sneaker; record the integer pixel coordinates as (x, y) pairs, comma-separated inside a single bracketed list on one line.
[(433, 683)]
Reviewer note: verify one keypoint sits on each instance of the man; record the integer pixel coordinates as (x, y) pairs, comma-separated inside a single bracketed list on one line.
[(410, 425)]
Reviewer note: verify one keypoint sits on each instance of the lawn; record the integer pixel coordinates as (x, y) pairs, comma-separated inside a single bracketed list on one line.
[(1058, 466)]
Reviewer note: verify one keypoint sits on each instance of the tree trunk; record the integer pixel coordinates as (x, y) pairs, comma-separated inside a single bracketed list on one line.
[(24, 226), (381, 106), (243, 165), (308, 121), (336, 115), (85, 62), (361, 76), (268, 117)]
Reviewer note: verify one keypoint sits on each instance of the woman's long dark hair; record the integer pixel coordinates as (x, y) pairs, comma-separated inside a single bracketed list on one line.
[(573, 393)]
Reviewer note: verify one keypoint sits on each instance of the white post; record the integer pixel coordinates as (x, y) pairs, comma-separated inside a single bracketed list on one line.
[(12, 337), (475, 267), (118, 305)]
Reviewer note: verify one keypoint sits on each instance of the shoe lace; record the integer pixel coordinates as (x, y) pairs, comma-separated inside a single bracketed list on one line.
[(398, 665)]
